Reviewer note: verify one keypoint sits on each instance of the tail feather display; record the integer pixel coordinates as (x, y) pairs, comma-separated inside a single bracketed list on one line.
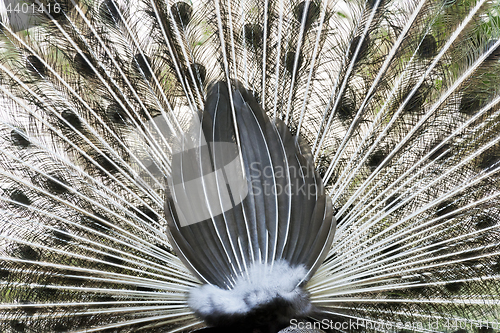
[(249, 166)]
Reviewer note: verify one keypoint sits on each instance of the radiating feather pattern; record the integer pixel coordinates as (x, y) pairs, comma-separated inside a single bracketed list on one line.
[(397, 102), (282, 216)]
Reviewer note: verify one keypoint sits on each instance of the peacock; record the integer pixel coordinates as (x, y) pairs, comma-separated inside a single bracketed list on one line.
[(253, 166)]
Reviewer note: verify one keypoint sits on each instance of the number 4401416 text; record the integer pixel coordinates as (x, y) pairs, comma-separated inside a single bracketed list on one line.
[(32, 8)]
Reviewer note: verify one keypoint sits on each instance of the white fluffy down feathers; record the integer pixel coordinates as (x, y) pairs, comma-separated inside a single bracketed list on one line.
[(262, 288)]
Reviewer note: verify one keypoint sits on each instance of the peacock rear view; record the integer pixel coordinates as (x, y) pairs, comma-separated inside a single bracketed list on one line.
[(253, 166)]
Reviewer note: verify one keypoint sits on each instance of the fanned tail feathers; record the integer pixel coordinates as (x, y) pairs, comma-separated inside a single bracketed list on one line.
[(378, 120)]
